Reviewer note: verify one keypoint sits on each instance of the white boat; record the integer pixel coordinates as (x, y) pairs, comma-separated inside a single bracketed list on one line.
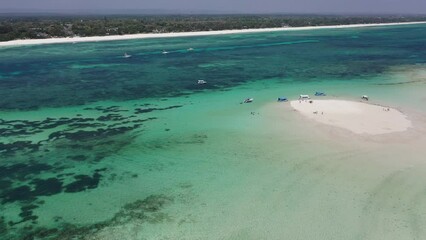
[(127, 55), (248, 100), (190, 49), (165, 52), (201, 82)]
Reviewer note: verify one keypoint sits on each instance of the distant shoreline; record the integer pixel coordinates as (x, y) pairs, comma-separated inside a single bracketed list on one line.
[(25, 42)]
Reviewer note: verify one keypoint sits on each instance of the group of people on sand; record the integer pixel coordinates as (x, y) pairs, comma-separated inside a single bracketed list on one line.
[(306, 100), (386, 109)]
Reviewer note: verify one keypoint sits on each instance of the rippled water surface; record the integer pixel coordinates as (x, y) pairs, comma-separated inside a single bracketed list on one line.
[(97, 146)]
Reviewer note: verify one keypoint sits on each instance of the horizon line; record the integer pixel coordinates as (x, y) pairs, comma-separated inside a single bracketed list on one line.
[(156, 11)]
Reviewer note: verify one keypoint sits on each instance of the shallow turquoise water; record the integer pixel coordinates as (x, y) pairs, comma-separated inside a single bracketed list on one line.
[(97, 146)]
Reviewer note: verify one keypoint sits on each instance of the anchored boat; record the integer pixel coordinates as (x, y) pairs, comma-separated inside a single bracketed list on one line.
[(248, 100)]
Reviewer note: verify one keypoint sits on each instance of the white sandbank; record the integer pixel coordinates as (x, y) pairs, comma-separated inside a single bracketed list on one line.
[(358, 117), (183, 34)]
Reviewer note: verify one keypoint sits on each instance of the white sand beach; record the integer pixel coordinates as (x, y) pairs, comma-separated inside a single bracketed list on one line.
[(358, 117), (183, 34)]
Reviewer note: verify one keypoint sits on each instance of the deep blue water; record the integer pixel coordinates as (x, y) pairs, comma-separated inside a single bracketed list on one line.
[(72, 74)]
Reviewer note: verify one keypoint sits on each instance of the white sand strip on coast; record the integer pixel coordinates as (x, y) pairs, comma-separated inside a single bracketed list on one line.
[(183, 34), (358, 117)]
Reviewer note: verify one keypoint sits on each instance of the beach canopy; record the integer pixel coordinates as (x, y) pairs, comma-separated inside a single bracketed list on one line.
[(302, 96)]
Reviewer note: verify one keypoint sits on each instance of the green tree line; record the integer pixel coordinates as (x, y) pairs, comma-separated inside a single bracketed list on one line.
[(22, 27)]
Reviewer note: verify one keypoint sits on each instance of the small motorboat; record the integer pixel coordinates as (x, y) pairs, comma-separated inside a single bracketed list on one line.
[(201, 82), (127, 55), (320, 94), (190, 49), (282, 99), (165, 52), (248, 100), (364, 97)]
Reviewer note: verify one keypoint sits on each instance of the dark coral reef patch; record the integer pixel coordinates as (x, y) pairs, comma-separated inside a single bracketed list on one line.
[(31, 170), (148, 210), (83, 182)]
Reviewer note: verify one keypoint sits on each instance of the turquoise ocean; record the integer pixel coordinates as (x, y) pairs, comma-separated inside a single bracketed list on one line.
[(97, 146)]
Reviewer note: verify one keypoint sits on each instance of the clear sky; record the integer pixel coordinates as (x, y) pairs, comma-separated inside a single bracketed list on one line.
[(238, 6)]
